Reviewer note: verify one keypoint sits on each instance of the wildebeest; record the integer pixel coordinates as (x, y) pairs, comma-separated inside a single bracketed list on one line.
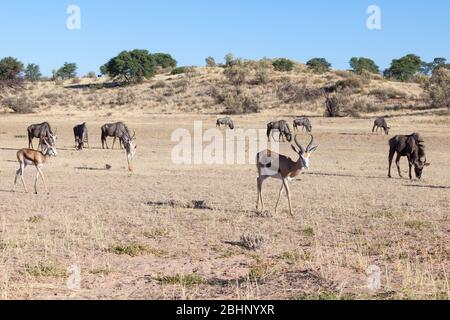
[(80, 133), (41, 131), (381, 123), (282, 127), (305, 123), (225, 122), (116, 130), (411, 146)]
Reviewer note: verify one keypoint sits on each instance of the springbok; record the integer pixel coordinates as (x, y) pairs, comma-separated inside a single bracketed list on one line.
[(131, 148), (28, 157), (273, 165)]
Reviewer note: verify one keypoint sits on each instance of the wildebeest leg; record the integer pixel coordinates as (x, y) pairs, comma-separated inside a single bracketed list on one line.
[(268, 134), (391, 157), (114, 142), (397, 162), (373, 129)]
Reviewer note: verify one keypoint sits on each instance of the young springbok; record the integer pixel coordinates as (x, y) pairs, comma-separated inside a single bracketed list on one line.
[(131, 148), (273, 165), (28, 157)]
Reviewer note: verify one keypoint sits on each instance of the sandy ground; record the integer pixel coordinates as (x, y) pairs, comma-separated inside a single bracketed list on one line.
[(349, 217)]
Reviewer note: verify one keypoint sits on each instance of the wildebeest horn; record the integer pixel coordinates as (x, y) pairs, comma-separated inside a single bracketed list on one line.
[(299, 145), (310, 144), (134, 135)]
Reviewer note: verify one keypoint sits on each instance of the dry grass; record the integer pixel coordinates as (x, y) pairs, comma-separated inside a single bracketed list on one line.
[(141, 235)]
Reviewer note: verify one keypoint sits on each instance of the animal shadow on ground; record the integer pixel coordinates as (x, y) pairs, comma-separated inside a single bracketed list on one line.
[(427, 186), (106, 168)]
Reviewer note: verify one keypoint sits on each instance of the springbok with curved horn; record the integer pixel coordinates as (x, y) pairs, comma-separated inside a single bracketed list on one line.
[(273, 165), (28, 157)]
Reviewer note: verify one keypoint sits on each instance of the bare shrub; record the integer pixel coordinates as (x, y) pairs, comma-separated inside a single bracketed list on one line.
[(290, 92), (334, 104), (386, 93), (124, 97), (238, 73), (354, 83), (252, 241), (158, 85), (439, 88), (20, 104), (239, 102)]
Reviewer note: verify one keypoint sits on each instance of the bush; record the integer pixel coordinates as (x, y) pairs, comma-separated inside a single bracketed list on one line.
[(131, 66), (237, 102), (353, 83), (210, 62), (319, 65), (334, 104), (180, 70), (164, 60), (290, 92), (386, 93), (67, 71), (20, 104), (359, 65), (10, 72), (91, 75), (158, 85), (283, 65), (32, 72), (439, 88), (405, 68), (238, 73), (124, 97)]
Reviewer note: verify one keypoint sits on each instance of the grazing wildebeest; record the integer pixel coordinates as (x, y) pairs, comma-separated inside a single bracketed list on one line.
[(41, 131), (80, 133), (116, 130), (282, 127), (225, 122), (381, 123), (411, 146), (305, 123)]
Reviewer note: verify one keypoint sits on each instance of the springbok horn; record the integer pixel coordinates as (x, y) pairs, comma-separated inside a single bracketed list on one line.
[(310, 144), (299, 145)]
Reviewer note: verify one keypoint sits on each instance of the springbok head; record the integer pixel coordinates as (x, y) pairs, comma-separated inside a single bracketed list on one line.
[(49, 149), (305, 154), (131, 147)]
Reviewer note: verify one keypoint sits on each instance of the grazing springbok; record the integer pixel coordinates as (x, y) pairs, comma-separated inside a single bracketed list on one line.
[(381, 123), (411, 146), (130, 147), (80, 133), (116, 130), (273, 165), (305, 123), (41, 131), (27, 157), (225, 122), (282, 127)]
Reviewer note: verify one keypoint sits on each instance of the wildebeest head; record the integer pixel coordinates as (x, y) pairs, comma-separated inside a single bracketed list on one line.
[(419, 164)]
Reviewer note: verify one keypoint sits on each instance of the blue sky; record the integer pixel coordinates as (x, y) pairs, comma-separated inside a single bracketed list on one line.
[(191, 30)]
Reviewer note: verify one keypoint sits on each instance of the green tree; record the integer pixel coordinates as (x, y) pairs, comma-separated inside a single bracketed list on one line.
[(210, 62), (427, 68), (229, 60), (32, 72), (439, 87), (405, 68), (164, 60), (67, 71), (10, 69), (319, 65), (283, 65), (131, 66), (359, 65)]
